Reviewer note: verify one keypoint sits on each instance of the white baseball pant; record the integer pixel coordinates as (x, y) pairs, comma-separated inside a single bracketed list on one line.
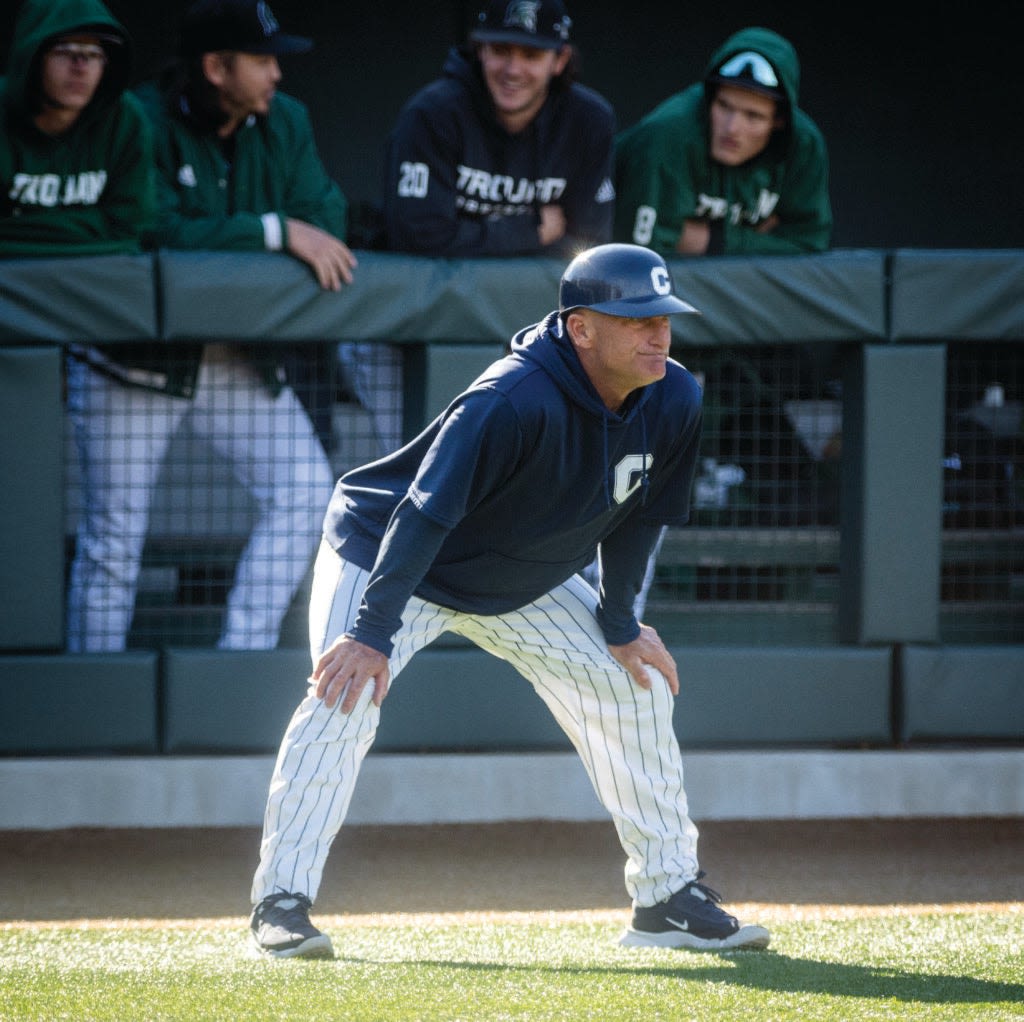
[(375, 374), (623, 734), (123, 434)]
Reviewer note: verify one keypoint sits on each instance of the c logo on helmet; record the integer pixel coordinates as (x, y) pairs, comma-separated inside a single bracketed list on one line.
[(661, 281)]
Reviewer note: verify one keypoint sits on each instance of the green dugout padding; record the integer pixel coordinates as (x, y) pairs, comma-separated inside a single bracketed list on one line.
[(857, 295), (895, 312), (962, 692), (237, 702), (397, 298), (753, 696), (832, 297), (101, 298), (447, 369), (837, 296), (65, 705), (462, 699), (31, 505), (892, 493), (446, 698), (942, 295)]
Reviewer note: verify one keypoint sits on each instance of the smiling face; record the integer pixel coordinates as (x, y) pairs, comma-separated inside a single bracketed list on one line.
[(619, 353), (742, 123), (518, 79)]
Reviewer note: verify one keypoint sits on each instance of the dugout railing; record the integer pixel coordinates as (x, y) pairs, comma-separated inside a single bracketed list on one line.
[(853, 574)]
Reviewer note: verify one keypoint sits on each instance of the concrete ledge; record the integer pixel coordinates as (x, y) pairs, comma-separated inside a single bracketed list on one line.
[(229, 791)]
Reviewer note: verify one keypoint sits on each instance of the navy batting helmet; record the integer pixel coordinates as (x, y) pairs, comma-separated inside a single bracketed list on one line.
[(620, 280)]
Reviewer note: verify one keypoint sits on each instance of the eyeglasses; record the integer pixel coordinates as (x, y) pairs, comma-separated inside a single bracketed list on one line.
[(750, 65), (72, 53)]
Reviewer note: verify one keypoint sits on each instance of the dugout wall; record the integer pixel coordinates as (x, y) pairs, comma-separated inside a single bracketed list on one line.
[(853, 574)]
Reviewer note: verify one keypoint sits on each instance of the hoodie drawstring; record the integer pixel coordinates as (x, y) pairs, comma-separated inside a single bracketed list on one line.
[(644, 459), (644, 481), (607, 467)]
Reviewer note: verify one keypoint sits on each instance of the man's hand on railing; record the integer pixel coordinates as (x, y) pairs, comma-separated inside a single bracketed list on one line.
[(330, 259)]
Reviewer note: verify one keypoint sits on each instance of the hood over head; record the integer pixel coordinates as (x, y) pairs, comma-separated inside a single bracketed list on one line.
[(760, 60), (41, 23)]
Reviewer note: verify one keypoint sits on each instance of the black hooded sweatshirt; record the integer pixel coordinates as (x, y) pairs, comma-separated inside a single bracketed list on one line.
[(458, 184), (515, 487)]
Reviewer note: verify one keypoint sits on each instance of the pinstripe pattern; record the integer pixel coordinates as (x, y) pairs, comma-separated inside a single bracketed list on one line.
[(623, 734)]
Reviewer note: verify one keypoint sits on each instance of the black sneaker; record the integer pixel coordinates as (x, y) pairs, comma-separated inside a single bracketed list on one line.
[(692, 919), (281, 928)]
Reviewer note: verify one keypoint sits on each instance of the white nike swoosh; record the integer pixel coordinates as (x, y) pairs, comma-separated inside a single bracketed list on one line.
[(678, 925)]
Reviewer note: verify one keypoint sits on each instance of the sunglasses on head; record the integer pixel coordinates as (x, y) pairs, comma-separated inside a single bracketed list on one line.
[(751, 66)]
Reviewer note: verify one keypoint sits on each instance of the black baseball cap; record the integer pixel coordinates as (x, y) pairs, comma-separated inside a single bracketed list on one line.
[(100, 32), (541, 24), (248, 26)]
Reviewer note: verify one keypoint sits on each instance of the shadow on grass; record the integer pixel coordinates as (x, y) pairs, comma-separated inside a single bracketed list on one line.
[(770, 971)]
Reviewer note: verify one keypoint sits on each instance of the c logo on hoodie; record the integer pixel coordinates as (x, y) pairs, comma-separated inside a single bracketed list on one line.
[(629, 473)]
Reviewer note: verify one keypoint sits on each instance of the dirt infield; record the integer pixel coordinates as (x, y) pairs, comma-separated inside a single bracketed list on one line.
[(784, 866)]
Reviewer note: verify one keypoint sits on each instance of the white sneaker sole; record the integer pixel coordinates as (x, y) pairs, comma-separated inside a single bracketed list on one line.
[(315, 947), (750, 937)]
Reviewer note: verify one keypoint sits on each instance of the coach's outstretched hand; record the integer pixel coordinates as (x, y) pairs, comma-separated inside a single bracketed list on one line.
[(346, 667), (647, 648)]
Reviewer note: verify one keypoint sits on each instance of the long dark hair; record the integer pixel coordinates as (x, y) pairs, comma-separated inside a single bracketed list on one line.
[(189, 91)]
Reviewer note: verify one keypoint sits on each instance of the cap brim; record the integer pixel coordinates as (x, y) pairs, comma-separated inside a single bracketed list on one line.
[(102, 33), (670, 304), (280, 46), (642, 308), (516, 38)]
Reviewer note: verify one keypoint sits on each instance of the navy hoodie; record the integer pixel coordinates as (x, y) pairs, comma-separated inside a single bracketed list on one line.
[(458, 184), (511, 490)]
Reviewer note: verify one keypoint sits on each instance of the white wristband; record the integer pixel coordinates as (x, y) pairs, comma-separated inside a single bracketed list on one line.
[(273, 235)]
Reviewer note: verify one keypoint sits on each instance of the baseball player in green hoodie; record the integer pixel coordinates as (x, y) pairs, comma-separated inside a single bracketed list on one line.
[(77, 179), (731, 165), (76, 164)]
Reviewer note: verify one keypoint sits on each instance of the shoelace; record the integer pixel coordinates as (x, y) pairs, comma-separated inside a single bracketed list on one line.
[(708, 892)]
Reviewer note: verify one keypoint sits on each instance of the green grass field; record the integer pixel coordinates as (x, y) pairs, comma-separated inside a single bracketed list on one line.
[(882, 964)]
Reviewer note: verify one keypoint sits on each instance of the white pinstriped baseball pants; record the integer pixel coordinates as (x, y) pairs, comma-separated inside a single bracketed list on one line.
[(622, 733), (123, 434)]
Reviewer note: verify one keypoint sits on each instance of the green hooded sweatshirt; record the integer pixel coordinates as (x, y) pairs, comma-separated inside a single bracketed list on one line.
[(665, 174), (89, 191)]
